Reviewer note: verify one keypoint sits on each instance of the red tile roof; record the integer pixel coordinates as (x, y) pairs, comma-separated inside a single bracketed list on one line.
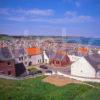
[(33, 51), (83, 50)]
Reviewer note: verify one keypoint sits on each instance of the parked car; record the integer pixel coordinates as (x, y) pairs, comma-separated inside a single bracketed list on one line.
[(49, 71), (38, 72), (35, 73), (43, 67)]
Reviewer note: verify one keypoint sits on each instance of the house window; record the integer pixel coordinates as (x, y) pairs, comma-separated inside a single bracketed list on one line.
[(19, 58), (25, 57), (9, 63), (29, 56), (53, 61), (9, 72), (25, 63), (40, 60), (30, 63), (57, 62)]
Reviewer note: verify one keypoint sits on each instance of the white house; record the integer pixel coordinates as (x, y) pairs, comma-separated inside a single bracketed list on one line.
[(82, 68), (35, 59), (86, 67), (30, 56), (40, 58), (36, 56)]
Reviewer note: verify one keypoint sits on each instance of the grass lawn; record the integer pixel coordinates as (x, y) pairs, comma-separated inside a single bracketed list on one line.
[(32, 69), (35, 89)]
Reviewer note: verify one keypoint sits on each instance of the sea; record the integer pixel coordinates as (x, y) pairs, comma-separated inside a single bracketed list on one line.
[(83, 40)]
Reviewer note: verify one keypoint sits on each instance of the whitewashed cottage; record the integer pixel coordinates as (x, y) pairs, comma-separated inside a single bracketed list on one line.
[(88, 67)]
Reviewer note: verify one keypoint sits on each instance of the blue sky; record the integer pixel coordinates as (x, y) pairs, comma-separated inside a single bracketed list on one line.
[(50, 17)]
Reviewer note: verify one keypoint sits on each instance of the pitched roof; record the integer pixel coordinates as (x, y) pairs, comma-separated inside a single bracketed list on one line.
[(57, 56), (94, 60), (33, 51), (18, 52), (50, 54), (83, 50), (5, 53)]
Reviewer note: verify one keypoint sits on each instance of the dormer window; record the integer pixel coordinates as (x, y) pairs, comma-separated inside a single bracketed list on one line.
[(30, 56), (19, 59), (22, 58)]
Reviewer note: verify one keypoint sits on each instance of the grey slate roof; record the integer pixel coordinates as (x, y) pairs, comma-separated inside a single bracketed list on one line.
[(50, 54), (5, 54), (94, 60), (18, 52), (55, 56)]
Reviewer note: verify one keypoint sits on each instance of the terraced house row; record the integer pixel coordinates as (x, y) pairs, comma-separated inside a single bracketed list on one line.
[(14, 62)]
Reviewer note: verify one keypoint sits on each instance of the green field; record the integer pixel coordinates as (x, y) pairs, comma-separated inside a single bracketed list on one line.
[(35, 89)]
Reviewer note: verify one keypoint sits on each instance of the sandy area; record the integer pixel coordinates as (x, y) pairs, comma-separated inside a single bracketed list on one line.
[(59, 80)]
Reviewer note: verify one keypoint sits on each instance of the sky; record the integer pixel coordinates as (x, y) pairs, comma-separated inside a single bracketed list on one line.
[(50, 17)]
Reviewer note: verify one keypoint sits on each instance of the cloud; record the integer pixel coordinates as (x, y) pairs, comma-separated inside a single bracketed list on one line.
[(27, 12), (67, 20), (4, 11), (70, 13), (15, 18), (75, 2), (58, 20), (35, 12), (72, 17), (44, 16)]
